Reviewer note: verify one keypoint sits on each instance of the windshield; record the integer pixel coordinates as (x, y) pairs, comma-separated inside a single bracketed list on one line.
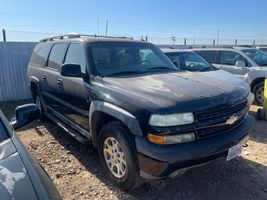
[(258, 56), (123, 58), (190, 61)]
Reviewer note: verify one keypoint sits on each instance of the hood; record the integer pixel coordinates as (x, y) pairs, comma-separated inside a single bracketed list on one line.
[(14, 179), (179, 91)]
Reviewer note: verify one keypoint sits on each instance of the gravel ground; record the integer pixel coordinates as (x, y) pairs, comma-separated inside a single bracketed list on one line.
[(77, 173)]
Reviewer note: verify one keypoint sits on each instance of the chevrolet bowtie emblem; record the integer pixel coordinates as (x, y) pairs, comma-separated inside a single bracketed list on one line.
[(231, 120)]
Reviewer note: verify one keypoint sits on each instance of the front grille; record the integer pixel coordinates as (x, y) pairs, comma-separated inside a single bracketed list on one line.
[(214, 120), (220, 111), (207, 132)]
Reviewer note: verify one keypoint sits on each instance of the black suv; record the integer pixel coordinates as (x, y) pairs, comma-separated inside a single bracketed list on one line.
[(146, 118)]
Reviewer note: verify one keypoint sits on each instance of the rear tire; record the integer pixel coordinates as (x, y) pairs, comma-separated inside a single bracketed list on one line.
[(118, 156), (38, 102), (258, 90)]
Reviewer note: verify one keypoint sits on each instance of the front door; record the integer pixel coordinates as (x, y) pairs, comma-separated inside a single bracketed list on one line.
[(227, 61), (73, 95)]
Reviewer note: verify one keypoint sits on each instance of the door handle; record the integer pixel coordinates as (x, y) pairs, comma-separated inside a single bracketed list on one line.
[(59, 81), (44, 76)]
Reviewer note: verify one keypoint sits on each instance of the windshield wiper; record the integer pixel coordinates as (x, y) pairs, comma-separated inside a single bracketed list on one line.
[(152, 69), (125, 73)]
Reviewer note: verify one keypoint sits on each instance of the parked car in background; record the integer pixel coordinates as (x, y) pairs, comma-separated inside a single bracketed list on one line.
[(247, 63), (262, 48), (188, 60), (146, 117), (21, 177)]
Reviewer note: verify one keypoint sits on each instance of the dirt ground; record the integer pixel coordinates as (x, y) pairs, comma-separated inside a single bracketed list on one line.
[(77, 173)]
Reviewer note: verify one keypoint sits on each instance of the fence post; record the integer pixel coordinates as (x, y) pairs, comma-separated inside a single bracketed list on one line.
[(184, 41), (235, 42), (4, 35), (146, 38), (254, 42), (213, 43)]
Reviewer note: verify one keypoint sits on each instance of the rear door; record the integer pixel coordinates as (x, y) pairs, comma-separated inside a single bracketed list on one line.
[(73, 95), (227, 61), (50, 73)]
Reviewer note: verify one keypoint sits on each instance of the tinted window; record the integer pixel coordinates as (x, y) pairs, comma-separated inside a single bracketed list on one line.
[(40, 53), (56, 55), (75, 55), (114, 58), (263, 49), (230, 58), (209, 56)]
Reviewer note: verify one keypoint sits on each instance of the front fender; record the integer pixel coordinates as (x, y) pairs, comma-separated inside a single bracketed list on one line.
[(119, 113)]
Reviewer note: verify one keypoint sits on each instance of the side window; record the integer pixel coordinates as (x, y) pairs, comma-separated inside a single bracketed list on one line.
[(174, 57), (209, 56), (40, 53), (75, 55), (56, 55), (230, 58)]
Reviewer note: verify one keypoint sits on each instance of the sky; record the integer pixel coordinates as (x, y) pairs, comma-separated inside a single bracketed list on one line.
[(245, 19)]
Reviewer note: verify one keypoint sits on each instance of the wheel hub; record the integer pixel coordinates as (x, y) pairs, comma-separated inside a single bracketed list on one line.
[(260, 95), (114, 157)]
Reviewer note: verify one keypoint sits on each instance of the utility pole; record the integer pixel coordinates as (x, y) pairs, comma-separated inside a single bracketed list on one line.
[(106, 28), (173, 39), (98, 25), (218, 37)]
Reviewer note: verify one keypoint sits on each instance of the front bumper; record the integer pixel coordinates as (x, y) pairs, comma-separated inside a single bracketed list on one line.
[(165, 160)]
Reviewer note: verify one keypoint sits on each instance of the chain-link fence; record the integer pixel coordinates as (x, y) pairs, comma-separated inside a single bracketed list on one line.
[(27, 36)]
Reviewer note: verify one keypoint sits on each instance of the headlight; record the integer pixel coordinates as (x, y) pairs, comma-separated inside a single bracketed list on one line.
[(171, 139), (250, 98), (171, 120)]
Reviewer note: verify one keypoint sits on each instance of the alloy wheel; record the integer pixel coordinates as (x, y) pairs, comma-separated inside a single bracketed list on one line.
[(114, 157)]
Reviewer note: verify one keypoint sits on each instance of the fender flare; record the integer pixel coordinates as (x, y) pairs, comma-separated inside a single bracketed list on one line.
[(117, 112), (35, 80)]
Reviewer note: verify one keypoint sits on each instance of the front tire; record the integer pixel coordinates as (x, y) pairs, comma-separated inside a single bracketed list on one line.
[(118, 155), (258, 90)]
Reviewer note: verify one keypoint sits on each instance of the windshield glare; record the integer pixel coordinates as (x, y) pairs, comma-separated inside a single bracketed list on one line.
[(114, 58), (189, 61), (258, 56)]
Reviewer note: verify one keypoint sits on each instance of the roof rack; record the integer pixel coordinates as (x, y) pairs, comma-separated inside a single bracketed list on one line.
[(76, 35)]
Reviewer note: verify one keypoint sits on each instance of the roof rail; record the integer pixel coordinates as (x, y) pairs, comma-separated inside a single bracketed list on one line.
[(76, 35)]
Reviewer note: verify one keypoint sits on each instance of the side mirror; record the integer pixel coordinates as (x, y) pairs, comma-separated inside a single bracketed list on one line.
[(240, 64), (25, 114), (71, 70)]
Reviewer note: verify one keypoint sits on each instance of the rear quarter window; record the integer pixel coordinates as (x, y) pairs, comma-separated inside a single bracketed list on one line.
[(40, 54)]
